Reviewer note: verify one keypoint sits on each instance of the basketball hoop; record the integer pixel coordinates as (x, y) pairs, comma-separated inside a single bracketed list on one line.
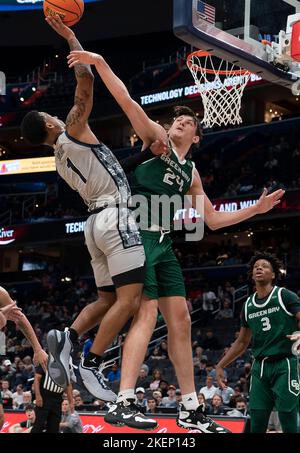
[(221, 85)]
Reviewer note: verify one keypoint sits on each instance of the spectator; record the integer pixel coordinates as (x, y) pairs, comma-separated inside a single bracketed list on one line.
[(78, 403), (25, 426), (163, 387), (114, 374), (210, 342), (225, 312), (143, 379), (241, 408), (18, 397), (209, 301), (217, 407), (209, 390), (157, 395), (152, 406), (140, 398), (225, 393), (202, 402), (178, 396), (170, 400), (156, 379), (157, 354), (27, 400), (7, 371), (70, 421), (198, 356)]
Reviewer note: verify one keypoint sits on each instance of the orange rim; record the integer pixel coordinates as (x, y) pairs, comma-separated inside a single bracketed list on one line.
[(204, 53)]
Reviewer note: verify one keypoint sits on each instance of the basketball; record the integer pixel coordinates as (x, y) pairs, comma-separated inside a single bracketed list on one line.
[(70, 11)]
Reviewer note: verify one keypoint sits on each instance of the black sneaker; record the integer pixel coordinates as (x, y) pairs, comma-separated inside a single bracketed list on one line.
[(127, 413), (195, 419)]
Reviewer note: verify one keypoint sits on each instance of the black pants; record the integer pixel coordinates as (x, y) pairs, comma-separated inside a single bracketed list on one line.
[(48, 417)]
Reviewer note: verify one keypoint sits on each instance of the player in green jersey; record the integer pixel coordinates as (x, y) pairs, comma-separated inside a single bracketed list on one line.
[(164, 286), (269, 317)]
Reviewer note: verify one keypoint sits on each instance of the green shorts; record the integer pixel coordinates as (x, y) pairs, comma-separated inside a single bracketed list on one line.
[(275, 384), (163, 273)]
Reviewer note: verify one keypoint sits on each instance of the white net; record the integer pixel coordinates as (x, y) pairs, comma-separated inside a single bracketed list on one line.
[(221, 85)]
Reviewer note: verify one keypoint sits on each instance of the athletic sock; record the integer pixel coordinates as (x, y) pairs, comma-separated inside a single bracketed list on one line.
[(92, 360), (73, 335), (127, 394), (190, 401)]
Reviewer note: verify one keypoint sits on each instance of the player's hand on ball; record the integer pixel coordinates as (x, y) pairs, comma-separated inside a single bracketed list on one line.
[(58, 26), (82, 57), (268, 202), (159, 147)]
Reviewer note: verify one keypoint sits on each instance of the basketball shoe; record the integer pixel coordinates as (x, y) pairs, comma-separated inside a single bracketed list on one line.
[(127, 413), (59, 348), (94, 381), (195, 419)]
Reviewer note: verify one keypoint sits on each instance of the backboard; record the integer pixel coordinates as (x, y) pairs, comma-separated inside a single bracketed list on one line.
[(233, 30)]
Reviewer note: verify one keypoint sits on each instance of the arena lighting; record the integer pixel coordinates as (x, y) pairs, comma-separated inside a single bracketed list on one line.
[(66, 279), (33, 89), (283, 271), (22, 99)]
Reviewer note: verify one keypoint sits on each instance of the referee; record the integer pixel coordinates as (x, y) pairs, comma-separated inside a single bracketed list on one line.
[(49, 397)]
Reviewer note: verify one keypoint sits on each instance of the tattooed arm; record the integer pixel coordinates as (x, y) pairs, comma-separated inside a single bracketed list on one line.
[(24, 325), (76, 121)]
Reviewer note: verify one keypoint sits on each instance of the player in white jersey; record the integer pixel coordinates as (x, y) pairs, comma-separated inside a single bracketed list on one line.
[(91, 169)]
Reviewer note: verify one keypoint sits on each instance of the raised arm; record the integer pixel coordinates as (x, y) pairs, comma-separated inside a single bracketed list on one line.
[(146, 129), (216, 220), (76, 121)]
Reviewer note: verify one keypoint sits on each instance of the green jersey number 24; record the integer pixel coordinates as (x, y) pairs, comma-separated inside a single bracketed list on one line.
[(170, 178)]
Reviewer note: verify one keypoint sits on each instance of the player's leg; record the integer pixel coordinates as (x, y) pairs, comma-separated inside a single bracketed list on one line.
[(93, 313), (135, 348), (286, 389), (259, 420), (261, 397), (175, 312), (289, 421), (125, 260), (60, 344)]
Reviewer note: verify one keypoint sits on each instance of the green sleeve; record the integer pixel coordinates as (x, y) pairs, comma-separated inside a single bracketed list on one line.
[(243, 317), (291, 301)]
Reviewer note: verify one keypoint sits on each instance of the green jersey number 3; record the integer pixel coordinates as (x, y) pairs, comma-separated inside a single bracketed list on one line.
[(170, 178), (266, 325)]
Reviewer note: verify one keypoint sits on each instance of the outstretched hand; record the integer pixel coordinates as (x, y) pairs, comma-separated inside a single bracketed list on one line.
[(268, 202), (56, 23), (82, 57)]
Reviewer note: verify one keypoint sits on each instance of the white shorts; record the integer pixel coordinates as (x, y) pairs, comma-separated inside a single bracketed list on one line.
[(117, 253)]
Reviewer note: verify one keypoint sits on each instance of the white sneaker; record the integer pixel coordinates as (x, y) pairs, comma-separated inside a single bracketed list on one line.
[(94, 382)]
